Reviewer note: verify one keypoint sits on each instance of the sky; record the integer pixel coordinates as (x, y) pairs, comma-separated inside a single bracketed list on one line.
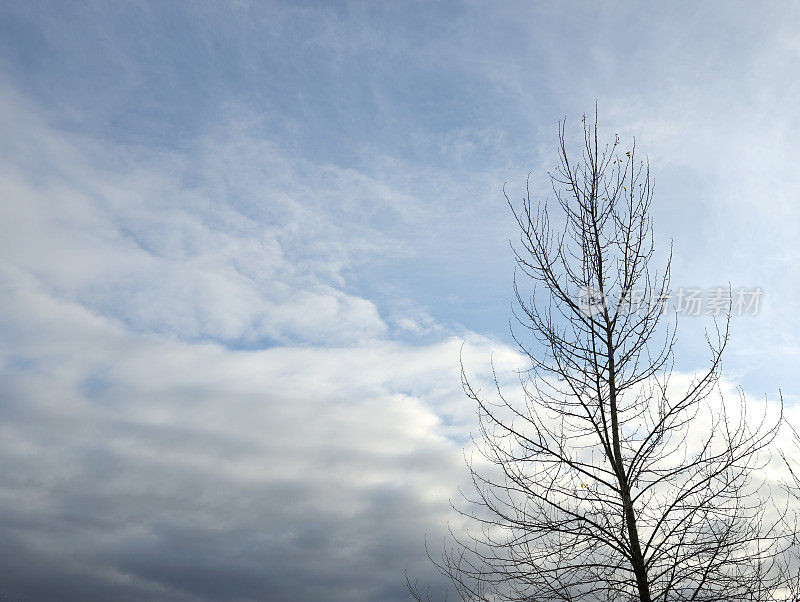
[(244, 244)]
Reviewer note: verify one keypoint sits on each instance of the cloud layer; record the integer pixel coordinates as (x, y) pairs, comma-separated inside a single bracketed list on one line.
[(243, 246)]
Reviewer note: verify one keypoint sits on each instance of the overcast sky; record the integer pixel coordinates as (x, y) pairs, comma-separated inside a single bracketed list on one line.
[(241, 244)]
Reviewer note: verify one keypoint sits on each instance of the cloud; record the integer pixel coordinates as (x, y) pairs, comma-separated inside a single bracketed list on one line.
[(148, 453), (239, 251), (292, 473), (232, 258)]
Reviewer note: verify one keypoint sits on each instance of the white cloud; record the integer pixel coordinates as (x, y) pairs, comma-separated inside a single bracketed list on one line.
[(145, 457), (236, 262), (284, 467), (167, 467)]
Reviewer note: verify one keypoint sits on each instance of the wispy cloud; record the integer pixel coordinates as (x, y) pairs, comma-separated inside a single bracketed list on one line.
[(241, 245)]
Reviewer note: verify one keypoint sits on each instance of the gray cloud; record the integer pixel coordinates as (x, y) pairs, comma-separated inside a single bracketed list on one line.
[(214, 381), (226, 475)]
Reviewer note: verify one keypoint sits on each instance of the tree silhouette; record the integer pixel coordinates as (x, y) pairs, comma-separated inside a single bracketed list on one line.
[(605, 480)]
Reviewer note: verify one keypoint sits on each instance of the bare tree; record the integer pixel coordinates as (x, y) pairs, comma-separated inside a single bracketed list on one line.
[(606, 480)]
